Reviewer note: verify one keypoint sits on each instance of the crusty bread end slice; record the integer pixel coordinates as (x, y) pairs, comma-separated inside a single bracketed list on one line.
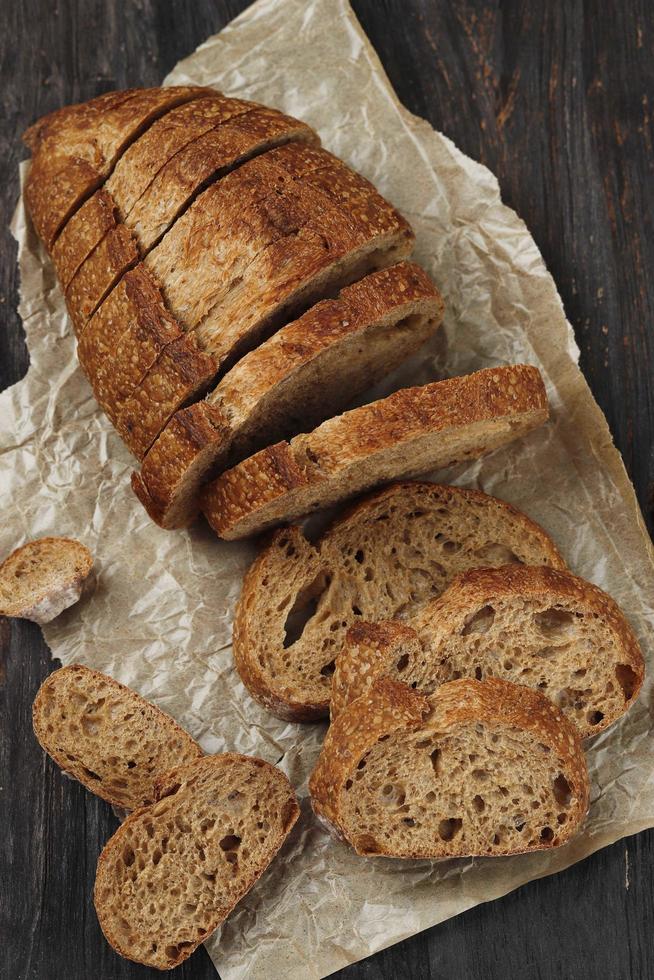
[(391, 553), (44, 577), (410, 432), (476, 768), (538, 626), (174, 871), (107, 736)]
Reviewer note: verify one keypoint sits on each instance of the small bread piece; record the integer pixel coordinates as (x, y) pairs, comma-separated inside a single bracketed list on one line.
[(107, 736), (387, 556), (303, 373), (44, 577), (75, 148), (410, 432), (541, 627), (474, 769), (174, 871)]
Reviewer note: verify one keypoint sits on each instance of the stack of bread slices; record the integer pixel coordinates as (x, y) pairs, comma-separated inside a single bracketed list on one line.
[(232, 285)]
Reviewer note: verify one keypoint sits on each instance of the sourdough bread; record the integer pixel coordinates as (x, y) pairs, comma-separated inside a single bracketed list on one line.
[(410, 432), (303, 373), (476, 768), (44, 577), (541, 627), (106, 736), (174, 871), (390, 554)]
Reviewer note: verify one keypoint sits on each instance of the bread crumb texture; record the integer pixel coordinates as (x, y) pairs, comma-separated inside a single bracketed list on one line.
[(44, 577)]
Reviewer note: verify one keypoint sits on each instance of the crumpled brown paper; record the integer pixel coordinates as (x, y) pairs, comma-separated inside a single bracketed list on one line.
[(160, 618)]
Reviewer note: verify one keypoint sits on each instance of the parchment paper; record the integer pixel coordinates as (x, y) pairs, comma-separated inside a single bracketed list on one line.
[(161, 616)]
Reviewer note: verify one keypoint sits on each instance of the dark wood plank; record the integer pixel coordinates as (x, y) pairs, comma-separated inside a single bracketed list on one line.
[(555, 98)]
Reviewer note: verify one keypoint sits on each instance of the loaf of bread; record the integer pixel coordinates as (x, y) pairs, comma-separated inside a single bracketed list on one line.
[(476, 768), (44, 577), (174, 871), (537, 626), (387, 556), (105, 735)]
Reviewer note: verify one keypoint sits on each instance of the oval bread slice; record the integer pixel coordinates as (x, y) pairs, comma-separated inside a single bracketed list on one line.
[(392, 552), (107, 736), (544, 628), (410, 432), (44, 577), (174, 871), (476, 768)]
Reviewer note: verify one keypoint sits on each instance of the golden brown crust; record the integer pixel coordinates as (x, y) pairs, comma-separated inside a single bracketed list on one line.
[(392, 707), (74, 149), (56, 688), (99, 273), (81, 234), (239, 501)]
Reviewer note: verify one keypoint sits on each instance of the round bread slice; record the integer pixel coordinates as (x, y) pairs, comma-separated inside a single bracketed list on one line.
[(44, 577), (541, 627), (392, 552), (174, 871), (107, 736), (410, 432), (476, 768)]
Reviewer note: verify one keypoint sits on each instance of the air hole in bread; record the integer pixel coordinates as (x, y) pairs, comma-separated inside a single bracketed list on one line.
[(231, 842), (173, 952), (434, 759), (304, 609), (562, 790), (595, 717), (627, 680), (495, 553), (128, 857), (170, 790), (402, 663), (547, 834), (91, 774), (449, 828), (554, 622), (479, 622), (367, 844), (328, 669), (478, 803), (392, 795)]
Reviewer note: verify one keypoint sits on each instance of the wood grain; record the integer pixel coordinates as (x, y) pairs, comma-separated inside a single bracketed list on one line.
[(556, 99)]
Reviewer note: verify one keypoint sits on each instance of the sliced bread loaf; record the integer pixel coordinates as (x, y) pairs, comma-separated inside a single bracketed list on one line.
[(174, 871), (74, 149), (303, 373), (541, 627), (476, 768), (44, 577), (107, 736), (392, 552), (410, 432)]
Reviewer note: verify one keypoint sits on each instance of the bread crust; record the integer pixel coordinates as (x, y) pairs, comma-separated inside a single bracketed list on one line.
[(390, 707), (98, 274), (203, 430), (247, 498), (170, 784), (81, 766)]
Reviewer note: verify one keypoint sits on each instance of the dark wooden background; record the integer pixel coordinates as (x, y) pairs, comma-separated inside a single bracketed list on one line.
[(555, 97)]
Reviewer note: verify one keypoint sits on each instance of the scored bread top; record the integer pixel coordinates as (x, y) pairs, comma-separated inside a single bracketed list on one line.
[(44, 577), (387, 555), (107, 736), (538, 626), (407, 433), (308, 369), (476, 768), (174, 871)]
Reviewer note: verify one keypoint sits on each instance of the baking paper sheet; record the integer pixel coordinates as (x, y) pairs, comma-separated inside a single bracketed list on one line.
[(160, 618)]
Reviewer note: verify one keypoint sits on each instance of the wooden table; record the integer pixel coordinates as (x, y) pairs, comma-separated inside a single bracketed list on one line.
[(555, 97)]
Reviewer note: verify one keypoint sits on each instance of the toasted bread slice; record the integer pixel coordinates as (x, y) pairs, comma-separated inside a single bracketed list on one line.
[(410, 432), (303, 373), (74, 149), (44, 577), (107, 736), (541, 627), (391, 553), (174, 871), (476, 768)]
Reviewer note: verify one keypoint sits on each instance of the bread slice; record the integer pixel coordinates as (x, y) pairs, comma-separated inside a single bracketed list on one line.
[(410, 432), (80, 235), (74, 149), (476, 768), (108, 737), (541, 627), (44, 577), (97, 276), (390, 554), (303, 373), (174, 871)]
